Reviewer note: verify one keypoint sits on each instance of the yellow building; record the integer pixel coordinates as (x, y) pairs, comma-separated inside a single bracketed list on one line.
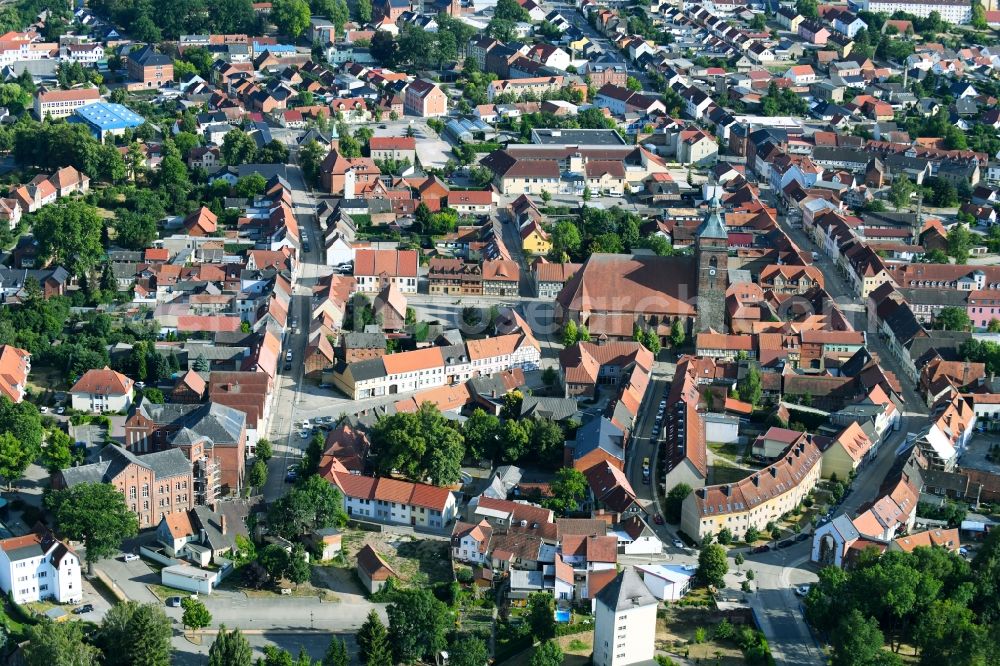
[(760, 498), (848, 451), (534, 239)]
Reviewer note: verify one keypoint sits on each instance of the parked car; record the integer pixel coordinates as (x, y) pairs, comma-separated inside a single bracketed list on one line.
[(801, 537), (291, 476), (130, 557), (785, 544), (174, 602), (288, 355), (43, 409), (658, 519), (86, 608), (761, 549), (288, 366), (802, 590), (678, 543), (304, 434), (60, 409)]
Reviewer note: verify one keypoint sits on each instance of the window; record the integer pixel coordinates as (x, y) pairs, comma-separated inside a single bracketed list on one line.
[(145, 490), (132, 492)]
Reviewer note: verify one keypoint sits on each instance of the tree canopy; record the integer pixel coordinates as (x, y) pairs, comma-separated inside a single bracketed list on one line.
[(421, 445), (418, 623), (96, 514)]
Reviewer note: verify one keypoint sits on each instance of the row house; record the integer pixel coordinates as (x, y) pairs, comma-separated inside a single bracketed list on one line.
[(433, 367), (384, 500)]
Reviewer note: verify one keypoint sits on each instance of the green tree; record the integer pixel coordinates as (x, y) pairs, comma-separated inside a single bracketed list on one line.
[(952, 319), (195, 615), (134, 634), (900, 191), (336, 653), (482, 434), (14, 458), (273, 559), (725, 536), (298, 569), (238, 147), (510, 10), (936, 256), (421, 445), (257, 476), (634, 84), (712, 565), (134, 231), (230, 648), (807, 8), (468, 651), (364, 10), (96, 514), (566, 238), (677, 335), (59, 644), (290, 16), (674, 501), (263, 450), (310, 157), (568, 489), (250, 186), (69, 233), (418, 623), (993, 326), (959, 243), (857, 641), (751, 535), (570, 334), (750, 387), (313, 503), (978, 20), (373, 638), (547, 653), (58, 451), (541, 615)]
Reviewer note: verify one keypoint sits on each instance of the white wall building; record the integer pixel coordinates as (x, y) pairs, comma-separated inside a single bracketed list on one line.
[(38, 566), (951, 12), (625, 622), (666, 582)]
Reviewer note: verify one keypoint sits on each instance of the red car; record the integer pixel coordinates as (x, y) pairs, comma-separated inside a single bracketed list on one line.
[(658, 519)]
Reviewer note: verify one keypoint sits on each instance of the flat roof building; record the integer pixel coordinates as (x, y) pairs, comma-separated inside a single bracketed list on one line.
[(106, 118)]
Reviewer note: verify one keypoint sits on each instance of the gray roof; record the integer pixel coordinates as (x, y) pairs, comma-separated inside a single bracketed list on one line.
[(625, 592), (846, 528), (114, 459), (590, 137), (361, 340), (219, 423), (556, 409), (599, 433), (211, 522), (369, 368), (713, 226)]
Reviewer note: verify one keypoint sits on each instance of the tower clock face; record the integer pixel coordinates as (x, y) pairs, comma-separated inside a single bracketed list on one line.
[(711, 271)]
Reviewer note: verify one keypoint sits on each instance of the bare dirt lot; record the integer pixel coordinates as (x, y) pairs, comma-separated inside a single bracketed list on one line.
[(416, 561)]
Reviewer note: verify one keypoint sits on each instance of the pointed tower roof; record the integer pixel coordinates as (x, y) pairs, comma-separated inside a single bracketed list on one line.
[(713, 226), (625, 592)]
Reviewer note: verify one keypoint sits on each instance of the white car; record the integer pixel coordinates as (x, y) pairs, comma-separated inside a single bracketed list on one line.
[(663, 405), (43, 409), (130, 557), (802, 590), (304, 434), (678, 543)]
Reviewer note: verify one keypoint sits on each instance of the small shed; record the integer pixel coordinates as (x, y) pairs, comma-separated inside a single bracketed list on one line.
[(373, 570), (184, 577), (666, 582), (326, 541)]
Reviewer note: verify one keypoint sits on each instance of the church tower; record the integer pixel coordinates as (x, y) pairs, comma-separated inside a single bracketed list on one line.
[(712, 259)]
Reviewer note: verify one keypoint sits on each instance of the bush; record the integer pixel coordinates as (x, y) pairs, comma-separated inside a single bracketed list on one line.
[(724, 631), (700, 635)]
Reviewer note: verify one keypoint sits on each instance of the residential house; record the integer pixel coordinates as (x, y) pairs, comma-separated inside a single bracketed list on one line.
[(425, 99), (102, 390), (38, 567)]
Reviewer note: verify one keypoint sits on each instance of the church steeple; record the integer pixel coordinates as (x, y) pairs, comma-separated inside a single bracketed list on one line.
[(712, 259)]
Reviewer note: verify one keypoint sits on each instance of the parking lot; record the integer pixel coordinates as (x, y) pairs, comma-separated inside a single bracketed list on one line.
[(432, 151), (982, 453)]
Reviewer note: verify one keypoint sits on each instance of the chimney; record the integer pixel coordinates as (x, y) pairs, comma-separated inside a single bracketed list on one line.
[(222, 524)]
